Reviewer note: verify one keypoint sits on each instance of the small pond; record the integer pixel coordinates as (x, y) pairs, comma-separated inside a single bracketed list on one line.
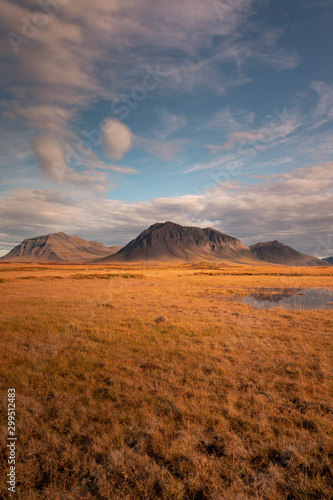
[(292, 299)]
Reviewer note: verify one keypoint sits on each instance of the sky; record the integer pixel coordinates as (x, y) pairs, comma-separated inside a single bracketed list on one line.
[(117, 114)]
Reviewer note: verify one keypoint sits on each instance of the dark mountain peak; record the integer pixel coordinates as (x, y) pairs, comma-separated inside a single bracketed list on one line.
[(278, 253), (163, 226), (269, 244), (170, 241), (171, 231), (171, 228), (61, 235)]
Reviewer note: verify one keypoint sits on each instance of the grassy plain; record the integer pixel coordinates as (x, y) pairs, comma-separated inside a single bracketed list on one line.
[(216, 401)]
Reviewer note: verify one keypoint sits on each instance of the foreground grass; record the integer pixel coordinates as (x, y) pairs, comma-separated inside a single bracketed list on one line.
[(218, 401)]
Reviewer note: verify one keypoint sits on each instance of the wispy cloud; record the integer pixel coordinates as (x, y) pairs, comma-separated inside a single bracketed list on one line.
[(167, 150), (169, 123), (47, 118), (324, 110), (230, 120), (120, 169), (267, 134), (293, 128), (51, 161)]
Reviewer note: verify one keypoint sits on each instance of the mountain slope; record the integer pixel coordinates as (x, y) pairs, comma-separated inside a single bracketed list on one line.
[(278, 253), (328, 259), (171, 242), (59, 248)]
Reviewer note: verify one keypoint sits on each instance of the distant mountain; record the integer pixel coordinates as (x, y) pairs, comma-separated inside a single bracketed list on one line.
[(329, 260), (59, 248), (278, 253), (168, 241)]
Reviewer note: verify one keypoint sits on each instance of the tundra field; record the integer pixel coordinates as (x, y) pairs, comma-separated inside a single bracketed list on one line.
[(156, 382)]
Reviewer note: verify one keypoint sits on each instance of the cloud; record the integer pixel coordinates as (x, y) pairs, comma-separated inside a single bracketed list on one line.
[(223, 161), (120, 169), (169, 123), (166, 150), (279, 59), (118, 139), (214, 149), (241, 143), (324, 110), (47, 118), (294, 130), (236, 125), (49, 157), (276, 128), (63, 62), (51, 161), (230, 120), (46, 67), (60, 60), (295, 207)]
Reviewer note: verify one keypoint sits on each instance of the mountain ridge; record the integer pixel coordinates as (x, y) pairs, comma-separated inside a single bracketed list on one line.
[(172, 242), (161, 242)]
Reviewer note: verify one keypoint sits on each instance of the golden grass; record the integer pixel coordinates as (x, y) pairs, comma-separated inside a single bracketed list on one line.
[(219, 401)]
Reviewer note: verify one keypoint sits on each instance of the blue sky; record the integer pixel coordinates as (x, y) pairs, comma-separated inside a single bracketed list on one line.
[(118, 114)]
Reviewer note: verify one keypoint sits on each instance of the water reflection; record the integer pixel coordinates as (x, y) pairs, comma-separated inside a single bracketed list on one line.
[(292, 299)]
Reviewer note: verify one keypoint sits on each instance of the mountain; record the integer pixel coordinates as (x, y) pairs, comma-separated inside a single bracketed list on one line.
[(59, 248), (278, 253), (328, 259), (168, 241)]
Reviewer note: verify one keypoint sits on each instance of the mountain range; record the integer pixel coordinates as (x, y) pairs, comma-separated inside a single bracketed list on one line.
[(161, 242)]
